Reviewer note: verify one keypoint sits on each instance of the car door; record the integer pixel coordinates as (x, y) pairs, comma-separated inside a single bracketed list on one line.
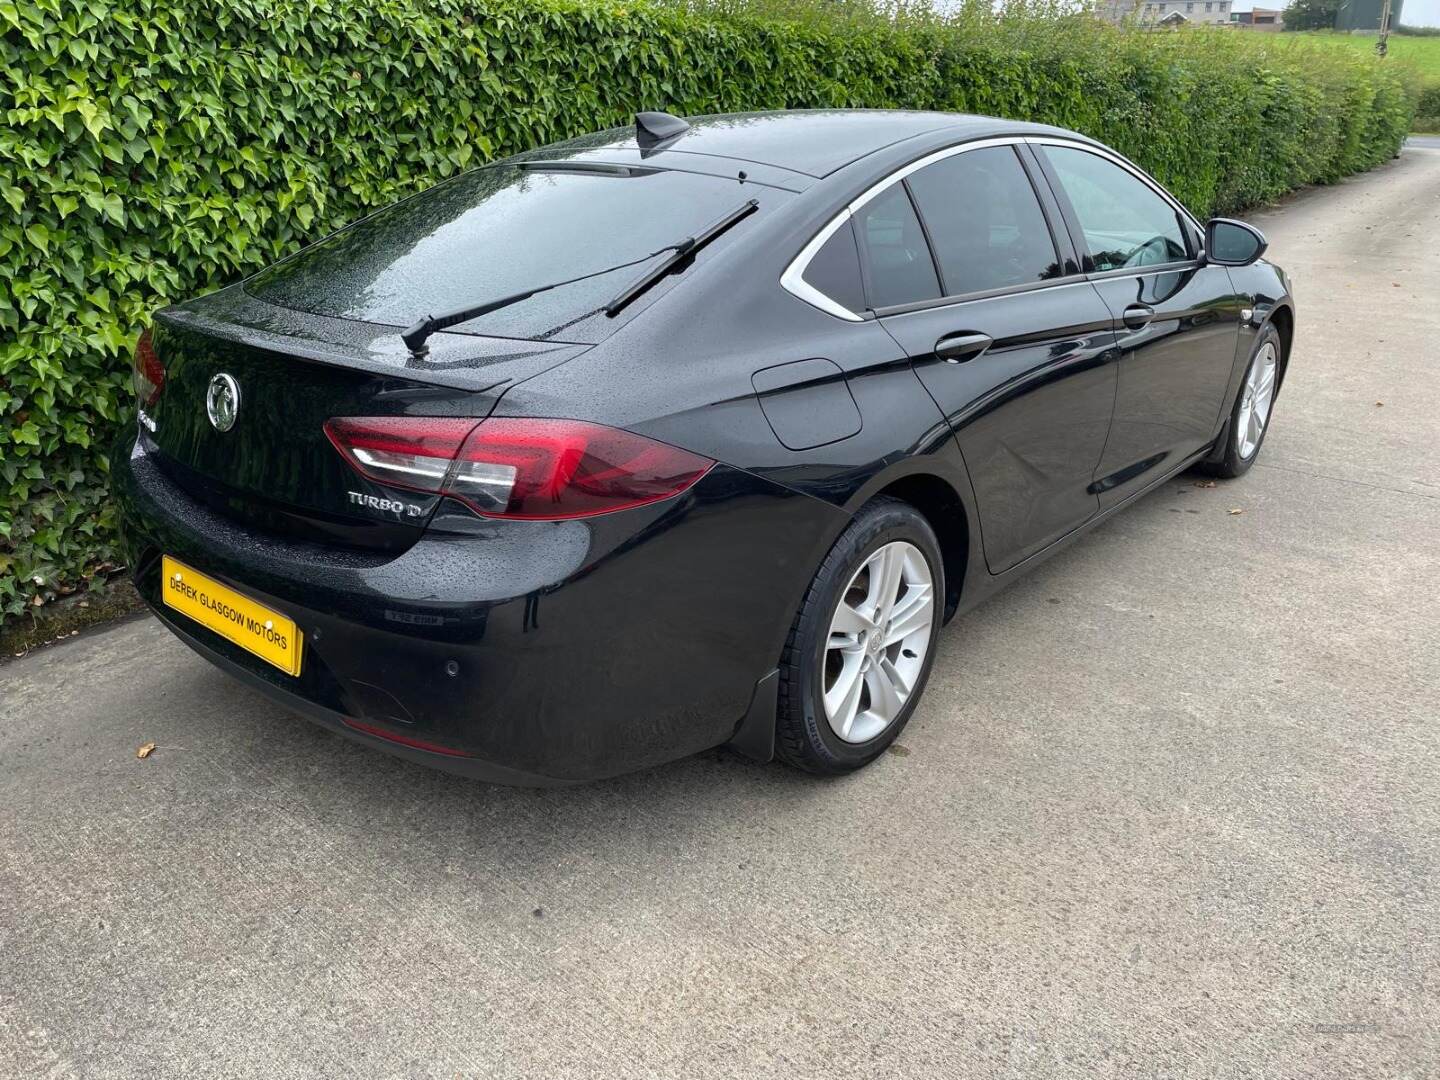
[(964, 268), (1179, 318)]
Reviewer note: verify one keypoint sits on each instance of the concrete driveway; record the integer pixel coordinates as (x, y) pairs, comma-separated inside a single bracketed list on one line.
[(1171, 808)]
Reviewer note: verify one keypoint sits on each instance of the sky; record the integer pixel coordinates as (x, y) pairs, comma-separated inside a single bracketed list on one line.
[(1421, 13)]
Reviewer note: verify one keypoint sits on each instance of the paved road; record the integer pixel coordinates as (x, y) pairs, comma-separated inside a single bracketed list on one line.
[(1171, 808)]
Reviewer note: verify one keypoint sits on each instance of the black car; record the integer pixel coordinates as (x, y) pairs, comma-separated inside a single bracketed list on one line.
[(682, 435)]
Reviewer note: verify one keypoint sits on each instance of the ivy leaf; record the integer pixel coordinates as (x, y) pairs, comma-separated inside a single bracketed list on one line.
[(94, 122), (113, 208)]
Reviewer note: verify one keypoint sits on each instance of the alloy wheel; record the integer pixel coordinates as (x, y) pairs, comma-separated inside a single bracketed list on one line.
[(879, 635), (1257, 395)]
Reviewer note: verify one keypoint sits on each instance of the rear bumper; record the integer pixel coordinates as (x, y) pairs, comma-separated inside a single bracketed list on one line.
[(464, 765), (519, 652)]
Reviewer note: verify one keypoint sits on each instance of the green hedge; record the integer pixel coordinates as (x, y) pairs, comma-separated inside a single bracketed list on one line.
[(1427, 105), (153, 150)]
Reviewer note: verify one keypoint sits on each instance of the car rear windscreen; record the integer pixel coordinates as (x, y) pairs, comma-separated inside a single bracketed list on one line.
[(500, 230)]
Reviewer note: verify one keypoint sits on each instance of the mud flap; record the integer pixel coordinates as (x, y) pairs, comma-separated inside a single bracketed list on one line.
[(755, 735)]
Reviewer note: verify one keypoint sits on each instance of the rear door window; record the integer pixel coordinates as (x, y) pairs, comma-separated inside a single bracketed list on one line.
[(500, 230), (1126, 224), (984, 221), (898, 265)]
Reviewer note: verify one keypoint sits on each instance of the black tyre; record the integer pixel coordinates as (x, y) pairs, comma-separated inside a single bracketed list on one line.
[(861, 648), (1253, 410)]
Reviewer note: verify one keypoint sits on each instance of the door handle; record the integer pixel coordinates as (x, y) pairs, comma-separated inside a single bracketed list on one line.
[(957, 348), (1138, 316)]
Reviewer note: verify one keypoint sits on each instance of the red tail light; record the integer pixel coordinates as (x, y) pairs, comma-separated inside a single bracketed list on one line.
[(147, 374), (518, 468), (400, 451)]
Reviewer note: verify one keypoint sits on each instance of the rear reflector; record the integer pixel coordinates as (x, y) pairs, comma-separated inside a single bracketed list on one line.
[(511, 467), (147, 374), (403, 740)]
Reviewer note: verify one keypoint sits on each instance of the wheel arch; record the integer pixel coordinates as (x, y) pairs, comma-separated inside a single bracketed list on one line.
[(939, 502), (1283, 319)]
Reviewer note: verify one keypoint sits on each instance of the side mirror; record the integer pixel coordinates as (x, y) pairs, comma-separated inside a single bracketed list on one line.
[(1233, 243)]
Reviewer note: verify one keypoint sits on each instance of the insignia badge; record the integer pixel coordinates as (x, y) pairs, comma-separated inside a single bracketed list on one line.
[(222, 402)]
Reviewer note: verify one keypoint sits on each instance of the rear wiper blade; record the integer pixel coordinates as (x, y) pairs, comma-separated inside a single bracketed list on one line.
[(679, 253), (417, 334), (414, 337)]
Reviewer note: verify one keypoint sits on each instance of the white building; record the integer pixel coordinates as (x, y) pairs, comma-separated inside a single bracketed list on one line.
[(1168, 12)]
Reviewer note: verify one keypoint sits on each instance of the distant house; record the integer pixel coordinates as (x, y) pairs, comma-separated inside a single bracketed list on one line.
[(1259, 19), (1167, 13)]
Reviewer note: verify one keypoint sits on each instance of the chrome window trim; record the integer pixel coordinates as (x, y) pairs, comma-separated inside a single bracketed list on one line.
[(899, 311), (793, 277), (929, 159), (1176, 266)]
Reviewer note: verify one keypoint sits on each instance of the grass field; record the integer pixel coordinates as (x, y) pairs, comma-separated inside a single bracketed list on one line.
[(1421, 53)]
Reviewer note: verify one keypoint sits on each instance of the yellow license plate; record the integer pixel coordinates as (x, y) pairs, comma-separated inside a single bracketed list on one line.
[(254, 627)]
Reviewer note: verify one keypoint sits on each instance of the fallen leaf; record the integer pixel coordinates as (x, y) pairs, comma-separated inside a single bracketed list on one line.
[(145, 751), (1395, 284), (1205, 483), (1234, 510), (1379, 404)]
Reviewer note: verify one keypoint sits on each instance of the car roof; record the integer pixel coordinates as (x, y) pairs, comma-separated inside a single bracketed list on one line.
[(813, 142)]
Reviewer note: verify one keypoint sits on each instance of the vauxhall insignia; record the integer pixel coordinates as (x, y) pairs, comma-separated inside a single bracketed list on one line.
[(222, 402)]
